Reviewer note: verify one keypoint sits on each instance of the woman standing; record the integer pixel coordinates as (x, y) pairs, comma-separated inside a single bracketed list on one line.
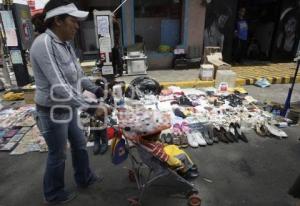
[(59, 84)]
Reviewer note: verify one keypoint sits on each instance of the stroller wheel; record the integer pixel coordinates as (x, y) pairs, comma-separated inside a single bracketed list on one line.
[(134, 201), (194, 200), (131, 176)]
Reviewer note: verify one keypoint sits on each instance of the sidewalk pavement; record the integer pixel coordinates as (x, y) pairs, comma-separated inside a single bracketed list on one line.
[(257, 173), (246, 75)]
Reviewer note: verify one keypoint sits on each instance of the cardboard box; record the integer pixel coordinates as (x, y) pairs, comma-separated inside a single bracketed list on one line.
[(210, 51), (227, 76), (206, 72), (218, 63)]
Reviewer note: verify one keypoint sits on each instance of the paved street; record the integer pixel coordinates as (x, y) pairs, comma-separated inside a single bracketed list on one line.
[(257, 173)]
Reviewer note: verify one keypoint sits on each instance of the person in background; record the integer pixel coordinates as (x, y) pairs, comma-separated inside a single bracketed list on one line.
[(59, 84), (241, 36)]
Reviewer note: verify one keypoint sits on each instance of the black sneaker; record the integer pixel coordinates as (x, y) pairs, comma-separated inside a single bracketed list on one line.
[(69, 196)]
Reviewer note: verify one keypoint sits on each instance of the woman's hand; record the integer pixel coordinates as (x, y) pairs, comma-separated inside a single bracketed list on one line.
[(103, 110)]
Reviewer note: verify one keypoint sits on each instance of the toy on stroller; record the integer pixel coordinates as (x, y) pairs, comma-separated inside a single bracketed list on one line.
[(152, 164)]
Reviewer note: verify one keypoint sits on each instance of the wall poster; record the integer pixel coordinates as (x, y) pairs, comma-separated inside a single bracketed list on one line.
[(288, 32), (219, 25)]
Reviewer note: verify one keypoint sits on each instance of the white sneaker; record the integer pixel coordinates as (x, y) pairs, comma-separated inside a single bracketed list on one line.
[(192, 140), (199, 138)]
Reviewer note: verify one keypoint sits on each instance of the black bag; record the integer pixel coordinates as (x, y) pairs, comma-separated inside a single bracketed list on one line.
[(141, 86)]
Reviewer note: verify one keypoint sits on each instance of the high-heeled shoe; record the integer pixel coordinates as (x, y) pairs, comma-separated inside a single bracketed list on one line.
[(240, 133), (219, 135), (231, 132), (211, 134), (226, 135)]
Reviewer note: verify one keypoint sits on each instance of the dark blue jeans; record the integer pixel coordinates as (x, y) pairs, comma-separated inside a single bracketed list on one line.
[(56, 135)]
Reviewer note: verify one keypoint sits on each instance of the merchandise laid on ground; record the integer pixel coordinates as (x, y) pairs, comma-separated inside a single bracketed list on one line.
[(196, 117), (204, 117), (19, 133)]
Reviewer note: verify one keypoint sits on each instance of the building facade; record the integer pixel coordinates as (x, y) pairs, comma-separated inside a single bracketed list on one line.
[(162, 25), (156, 23)]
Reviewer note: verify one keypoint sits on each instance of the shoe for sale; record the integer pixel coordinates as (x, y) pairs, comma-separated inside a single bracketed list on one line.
[(167, 137), (239, 133), (211, 133), (232, 133), (260, 129), (226, 135), (274, 131), (183, 141), (176, 140), (221, 136), (184, 101), (199, 138), (192, 141), (65, 198), (205, 134)]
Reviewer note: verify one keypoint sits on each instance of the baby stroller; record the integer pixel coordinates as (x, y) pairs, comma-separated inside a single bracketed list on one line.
[(155, 170)]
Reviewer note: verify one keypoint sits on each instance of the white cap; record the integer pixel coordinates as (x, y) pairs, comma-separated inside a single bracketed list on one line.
[(69, 9)]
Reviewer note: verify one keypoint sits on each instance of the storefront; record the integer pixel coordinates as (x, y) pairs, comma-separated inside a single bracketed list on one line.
[(154, 23)]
